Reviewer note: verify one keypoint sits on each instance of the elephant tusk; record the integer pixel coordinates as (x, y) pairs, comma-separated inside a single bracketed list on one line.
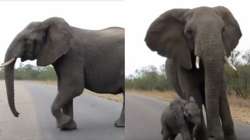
[(8, 62), (230, 64), (197, 62), (194, 130)]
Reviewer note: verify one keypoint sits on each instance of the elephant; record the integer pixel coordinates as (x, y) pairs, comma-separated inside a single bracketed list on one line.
[(196, 43), (81, 58), (181, 116)]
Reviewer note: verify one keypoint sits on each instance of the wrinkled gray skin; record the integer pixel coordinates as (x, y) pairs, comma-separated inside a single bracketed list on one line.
[(211, 34), (91, 59), (181, 116)]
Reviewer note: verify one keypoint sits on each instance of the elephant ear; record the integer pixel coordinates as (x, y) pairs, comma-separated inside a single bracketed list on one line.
[(166, 36), (232, 32), (57, 40)]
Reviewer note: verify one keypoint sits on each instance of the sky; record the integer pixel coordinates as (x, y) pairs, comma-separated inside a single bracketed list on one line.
[(15, 16), (134, 15)]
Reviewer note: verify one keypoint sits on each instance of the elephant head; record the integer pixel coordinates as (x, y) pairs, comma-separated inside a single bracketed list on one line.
[(181, 33), (45, 41), (192, 114), (198, 39)]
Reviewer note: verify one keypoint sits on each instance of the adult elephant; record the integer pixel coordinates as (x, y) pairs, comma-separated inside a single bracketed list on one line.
[(91, 59), (197, 42)]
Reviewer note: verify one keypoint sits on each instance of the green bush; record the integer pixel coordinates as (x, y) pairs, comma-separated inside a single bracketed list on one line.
[(148, 78), (30, 72), (238, 82)]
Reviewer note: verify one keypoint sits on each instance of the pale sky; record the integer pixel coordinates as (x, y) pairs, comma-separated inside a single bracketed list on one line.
[(134, 15), (15, 16)]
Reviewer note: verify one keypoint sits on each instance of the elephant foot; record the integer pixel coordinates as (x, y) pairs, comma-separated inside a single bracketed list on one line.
[(120, 123), (230, 137), (63, 121), (69, 126), (201, 133)]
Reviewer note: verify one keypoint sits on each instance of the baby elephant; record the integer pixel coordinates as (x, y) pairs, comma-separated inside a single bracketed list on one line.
[(181, 116)]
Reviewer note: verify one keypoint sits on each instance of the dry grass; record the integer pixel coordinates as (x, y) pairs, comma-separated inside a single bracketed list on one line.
[(240, 108), (48, 82), (166, 96), (116, 98)]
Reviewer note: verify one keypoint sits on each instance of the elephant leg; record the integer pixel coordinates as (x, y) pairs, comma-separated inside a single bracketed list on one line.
[(201, 132), (171, 72), (166, 135), (226, 119), (186, 134), (63, 99), (56, 110), (121, 121), (191, 87), (70, 84), (68, 110)]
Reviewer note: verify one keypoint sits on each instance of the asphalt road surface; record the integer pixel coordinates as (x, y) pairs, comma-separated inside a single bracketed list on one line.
[(95, 116), (143, 119)]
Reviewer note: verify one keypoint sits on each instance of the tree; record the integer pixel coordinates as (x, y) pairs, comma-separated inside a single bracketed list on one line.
[(30, 72), (234, 58), (246, 57), (148, 78)]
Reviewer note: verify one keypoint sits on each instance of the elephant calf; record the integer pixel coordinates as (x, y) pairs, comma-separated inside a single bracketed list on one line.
[(180, 116)]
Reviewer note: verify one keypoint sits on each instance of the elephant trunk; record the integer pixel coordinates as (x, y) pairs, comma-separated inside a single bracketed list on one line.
[(11, 54), (9, 81), (214, 85), (213, 62), (210, 49)]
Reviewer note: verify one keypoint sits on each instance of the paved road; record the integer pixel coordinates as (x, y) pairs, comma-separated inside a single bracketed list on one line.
[(143, 119), (94, 116)]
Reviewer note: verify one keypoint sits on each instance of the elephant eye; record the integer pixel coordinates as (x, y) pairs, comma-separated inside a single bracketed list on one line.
[(223, 29), (189, 33)]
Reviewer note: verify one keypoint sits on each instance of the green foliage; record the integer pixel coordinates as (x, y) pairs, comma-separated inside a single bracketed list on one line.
[(148, 78), (30, 72), (238, 83)]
